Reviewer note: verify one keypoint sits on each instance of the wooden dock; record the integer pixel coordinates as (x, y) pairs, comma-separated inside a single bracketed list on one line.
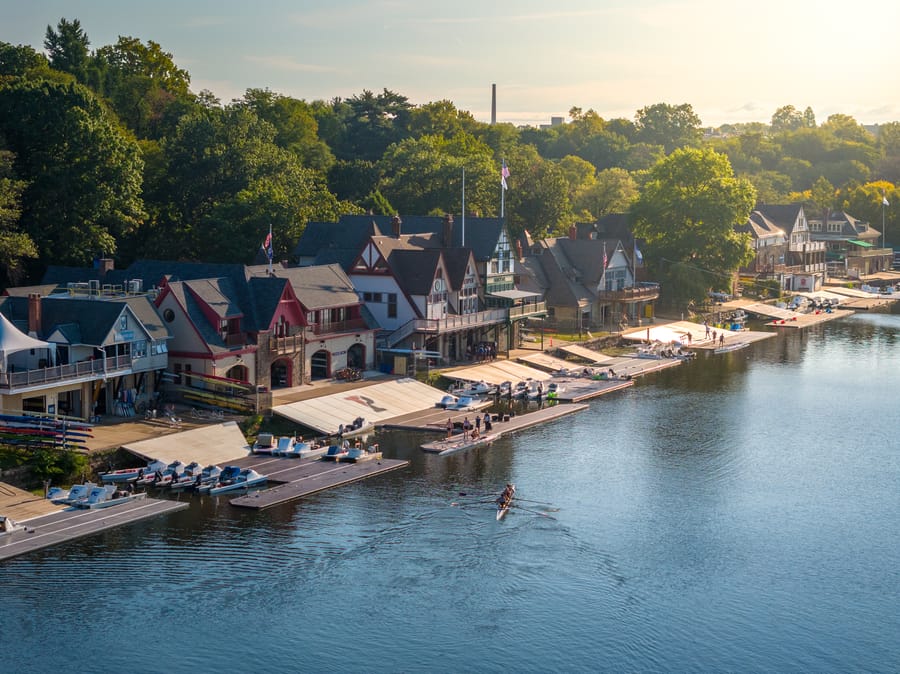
[(296, 479), (72, 523), (501, 428)]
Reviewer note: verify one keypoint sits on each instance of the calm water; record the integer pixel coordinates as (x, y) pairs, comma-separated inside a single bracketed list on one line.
[(739, 513)]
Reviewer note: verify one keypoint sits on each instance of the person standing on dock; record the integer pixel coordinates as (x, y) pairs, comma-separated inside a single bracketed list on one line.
[(722, 338), (487, 422), (477, 423), (449, 428), (467, 426), (706, 325)]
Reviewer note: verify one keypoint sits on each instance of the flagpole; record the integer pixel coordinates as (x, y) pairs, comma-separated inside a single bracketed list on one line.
[(269, 251), (464, 207)]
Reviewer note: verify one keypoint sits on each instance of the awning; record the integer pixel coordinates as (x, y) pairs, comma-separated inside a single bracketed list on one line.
[(861, 244), (513, 294)]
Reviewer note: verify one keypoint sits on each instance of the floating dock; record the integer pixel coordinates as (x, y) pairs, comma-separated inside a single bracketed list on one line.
[(297, 478), (71, 523), (500, 428)]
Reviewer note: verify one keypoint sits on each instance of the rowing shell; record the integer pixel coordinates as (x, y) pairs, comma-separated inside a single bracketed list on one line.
[(504, 506)]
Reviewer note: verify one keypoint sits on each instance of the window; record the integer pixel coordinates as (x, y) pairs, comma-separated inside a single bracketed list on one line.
[(123, 322), (392, 305), (168, 315), (139, 349), (834, 227)]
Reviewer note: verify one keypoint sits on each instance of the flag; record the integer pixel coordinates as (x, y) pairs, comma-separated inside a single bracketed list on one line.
[(604, 256), (884, 199), (504, 174), (638, 257), (267, 244)]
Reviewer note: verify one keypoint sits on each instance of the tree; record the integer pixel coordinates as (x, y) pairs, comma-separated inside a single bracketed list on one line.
[(686, 214), (787, 118), (671, 126), (145, 87), (15, 246), (613, 191), (537, 199), (223, 182), (83, 173), (67, 47), (424, 175), (296, 128), (22, 61)]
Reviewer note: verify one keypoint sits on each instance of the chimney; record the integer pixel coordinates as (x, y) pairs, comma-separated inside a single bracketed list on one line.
[(573, 232), (34, 314), (519, 248), (447, 240), (105, 265), (396, 224), (493, 104)]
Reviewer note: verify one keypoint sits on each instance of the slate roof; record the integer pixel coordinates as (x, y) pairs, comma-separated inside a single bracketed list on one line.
[(415, 269), (336, 239), (759, 226), (320, 287), (95, 318), (783, 215), (456, 260)]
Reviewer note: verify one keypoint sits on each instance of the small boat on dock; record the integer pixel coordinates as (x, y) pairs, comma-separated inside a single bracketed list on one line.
[(336, 452), (265, 444), (107, 497), (359, 453), (133, 474), (504, 501), (71, 496), (245, 479)]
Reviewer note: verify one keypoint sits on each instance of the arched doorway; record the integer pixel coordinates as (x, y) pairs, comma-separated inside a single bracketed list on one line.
[(239, 372), (280, 373), (320, 364), (356, 356)]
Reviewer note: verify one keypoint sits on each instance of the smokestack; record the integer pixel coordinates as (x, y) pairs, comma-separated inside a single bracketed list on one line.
[(396, 226), (493, 104)]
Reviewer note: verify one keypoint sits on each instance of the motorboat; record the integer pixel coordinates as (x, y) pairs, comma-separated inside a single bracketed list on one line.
[(245, 479), (359, 453), (358, 426), (132, 474), (108, 496), (224, 476), (265, 444), (306, 450), (188, 477), (71, 496), (171, 474), (284, 446), (474, 388), (554, 389), (336, 452), (520, 390)]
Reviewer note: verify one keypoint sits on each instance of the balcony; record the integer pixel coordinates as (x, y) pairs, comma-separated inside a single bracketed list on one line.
[(286, 345), (645, 292), (338, 327), (807, 247), (452, 323), (528, 310), (86, 370)]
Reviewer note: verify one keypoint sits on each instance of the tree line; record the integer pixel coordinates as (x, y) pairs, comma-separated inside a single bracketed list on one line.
[(108, 152)]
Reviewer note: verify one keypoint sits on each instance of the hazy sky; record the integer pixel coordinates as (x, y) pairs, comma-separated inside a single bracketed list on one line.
[(733, 62)]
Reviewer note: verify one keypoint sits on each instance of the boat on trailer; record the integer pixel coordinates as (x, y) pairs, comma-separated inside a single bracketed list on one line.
[(504, 501)]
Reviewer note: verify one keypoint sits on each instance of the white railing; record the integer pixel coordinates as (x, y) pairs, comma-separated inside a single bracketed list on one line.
[(11, 381)]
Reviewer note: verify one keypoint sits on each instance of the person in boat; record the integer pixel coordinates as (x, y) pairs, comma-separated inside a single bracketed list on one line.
[(505, 495), (345, 445), (341, 431)]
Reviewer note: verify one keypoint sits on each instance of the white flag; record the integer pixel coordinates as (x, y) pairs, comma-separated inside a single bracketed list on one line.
[(885, 201)]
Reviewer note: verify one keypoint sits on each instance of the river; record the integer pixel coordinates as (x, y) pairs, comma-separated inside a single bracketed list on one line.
[(737, 513)]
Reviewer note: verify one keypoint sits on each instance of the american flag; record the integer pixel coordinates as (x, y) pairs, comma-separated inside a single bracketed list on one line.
[(267, 245), (504, 174), (604, 255)]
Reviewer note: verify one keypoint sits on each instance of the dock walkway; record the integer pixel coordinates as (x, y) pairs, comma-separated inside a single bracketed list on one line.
[(299, 478), (71, 523), (501, 428)]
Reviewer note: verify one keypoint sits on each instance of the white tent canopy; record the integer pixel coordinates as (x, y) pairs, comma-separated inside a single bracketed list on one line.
[(13, 340)]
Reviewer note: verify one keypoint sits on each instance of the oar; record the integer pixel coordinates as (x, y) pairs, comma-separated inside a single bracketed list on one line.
[(456, 503), (530, 501), (529, 510)]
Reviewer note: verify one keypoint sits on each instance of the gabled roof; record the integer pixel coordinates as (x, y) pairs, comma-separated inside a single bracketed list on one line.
[(351, 232), (320, 287), (759, 226), (784, 216), (415, 269), (216, 293), (456, 261), (95, 318)]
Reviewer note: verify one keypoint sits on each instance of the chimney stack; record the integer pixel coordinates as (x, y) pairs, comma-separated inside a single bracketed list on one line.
[(447, 239), (573, 232), (34, 314), (396, 226), (105, 265), (519, 248), (493, 104)]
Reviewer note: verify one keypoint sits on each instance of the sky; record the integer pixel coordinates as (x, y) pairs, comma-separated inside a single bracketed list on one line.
[(732, 62)]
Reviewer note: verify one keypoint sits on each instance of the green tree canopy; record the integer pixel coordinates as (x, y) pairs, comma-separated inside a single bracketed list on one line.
[(83, 173), (15, 245), (686, 214), (671, 126), (67, 47)]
